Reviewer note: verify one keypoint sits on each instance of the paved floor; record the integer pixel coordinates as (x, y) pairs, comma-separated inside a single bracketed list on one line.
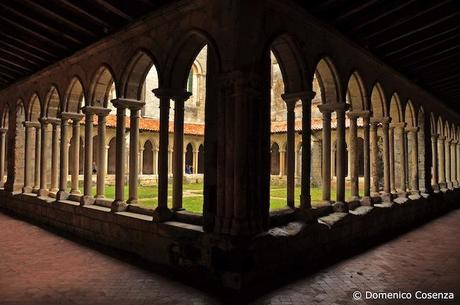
[(40, 267)]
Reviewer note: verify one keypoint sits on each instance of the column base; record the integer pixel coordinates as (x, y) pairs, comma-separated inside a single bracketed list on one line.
[(340, 207), (456, 184), (435, 188), (415, 195), (27, 189), (305, 202), (35, 189), (366, 201), (42, 193), (99, 197), (450, 186), (131, 201), (162, 214), (75, 192), (402, 194), (118, 206), (308, 215), (400, 200), (62, 195), (86, 200), (386, 197)]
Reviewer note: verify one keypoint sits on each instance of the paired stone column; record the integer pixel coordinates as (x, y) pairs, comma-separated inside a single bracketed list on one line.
[(453, 154), (326, 152), (63, 158), (195, 161), (43, 191), (391, 135), (340, 205), (55, 123), (374, 158), (366, 153), (87, 197), (457, 152), (386, 159), (38, 141), (75, 158), (141, 160), (282, 153), (2, 154), (400, 135), (353, 155), (178, 154), (290, 151), (29, 126), (442, 163), (447, 163), (135, 107), (102, 155), (434, 163), (155, 161), (412, 141)]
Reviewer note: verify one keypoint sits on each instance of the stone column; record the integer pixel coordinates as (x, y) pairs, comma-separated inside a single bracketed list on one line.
[(28, 156), (457, 152), (170, 162), (2, 154), (155, 161), (54, 154), (366, 153), (353, 155), (102, 155), (178, 163), (399, 133), (442, 164), (391, 135), (447, 163), (75, 158), (141, 160), (135, 107), (453, 171), (386, 159), (434, 163), (44, 158), (290, 151), (340, 205), (87, 197), (374, 158), (37, 159), (326, 152), (195, 161), (412, 141), (282, 153), (162, 212), (63, 159)]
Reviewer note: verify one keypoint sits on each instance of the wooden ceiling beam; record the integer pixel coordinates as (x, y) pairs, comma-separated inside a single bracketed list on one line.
[(23, 42), (113, 9), (85, 13)]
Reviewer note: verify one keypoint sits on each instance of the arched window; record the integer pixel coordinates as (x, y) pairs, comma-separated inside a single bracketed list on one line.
[(147, 160), (201, 159), (275, 159), (111, 157), (189, 166), (360, 152)]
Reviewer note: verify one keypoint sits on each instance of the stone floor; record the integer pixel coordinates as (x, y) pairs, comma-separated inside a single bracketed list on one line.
[(39, 267)]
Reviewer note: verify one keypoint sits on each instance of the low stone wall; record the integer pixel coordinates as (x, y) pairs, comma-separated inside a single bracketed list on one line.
[(234, 262)]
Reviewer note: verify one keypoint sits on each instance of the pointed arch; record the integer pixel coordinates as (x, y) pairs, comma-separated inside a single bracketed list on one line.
[(356, 93), (395, 108), (52, 102), (5, 115), (141, 64), (328, 81), (34, 109), (440, 127), (409, 114), (446, 129), (378, 102), (103, 87), (75, 96), (433, 124)]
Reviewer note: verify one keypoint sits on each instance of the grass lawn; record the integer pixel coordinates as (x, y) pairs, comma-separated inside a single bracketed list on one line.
[(193, 196)]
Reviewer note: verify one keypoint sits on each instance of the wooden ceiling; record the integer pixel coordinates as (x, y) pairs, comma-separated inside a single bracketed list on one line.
[(419, 38)]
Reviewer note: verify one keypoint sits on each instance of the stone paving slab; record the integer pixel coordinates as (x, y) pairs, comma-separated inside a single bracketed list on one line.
[(40, 267)]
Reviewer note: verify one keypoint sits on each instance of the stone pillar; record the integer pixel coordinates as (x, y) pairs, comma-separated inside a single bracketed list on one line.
[(75, 159), (155, 161), (195, 161), (28, 156), (399, 133), (2, 154), (282, 153), (102, 155), (162, 212), (290, 150), (44, 158), (170, 162), (453, 171), (37, 159), (87, 197), (412, 141), (340, 205), (141, 160), (353, 155), (447, 163), (442, 164), (135, 107), (54, 155), (457, 152), (366, 153), (63, 159), (434, 163), (326, 153), (178, 163), (386, 159), (374, 158), (391, 135)]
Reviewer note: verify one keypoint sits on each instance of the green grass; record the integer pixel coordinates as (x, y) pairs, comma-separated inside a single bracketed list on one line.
[(193, 196)]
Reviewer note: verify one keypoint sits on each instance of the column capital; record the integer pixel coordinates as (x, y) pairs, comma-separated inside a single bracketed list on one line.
[(295, 96), (3, 130), (44, 121), (172, 93), (72, 116), (398, 125), (127, 103), (412, 129), (359, 114), (454, 141), (53, 121), (100, 111), (32, 124), (442, 138), (330, 107), (434, 137)]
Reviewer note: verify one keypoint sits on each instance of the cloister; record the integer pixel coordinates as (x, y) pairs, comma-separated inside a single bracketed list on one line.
[(350, 123)]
